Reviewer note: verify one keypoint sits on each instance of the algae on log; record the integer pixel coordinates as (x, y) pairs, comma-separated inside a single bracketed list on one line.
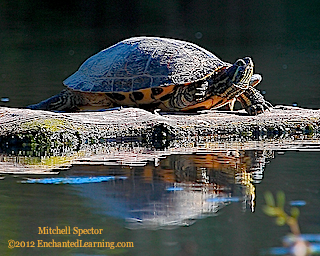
[(49, 133)]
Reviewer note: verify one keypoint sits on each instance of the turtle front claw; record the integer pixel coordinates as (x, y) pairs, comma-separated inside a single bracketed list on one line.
[(253, 102), (258, 108)]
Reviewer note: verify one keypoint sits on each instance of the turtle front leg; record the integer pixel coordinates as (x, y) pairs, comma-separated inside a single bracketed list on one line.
[(253, 101), (201, 91)]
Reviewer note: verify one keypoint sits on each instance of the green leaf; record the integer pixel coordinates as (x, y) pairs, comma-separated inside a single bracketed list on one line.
[(281, 199), (269, 199), (270, 211), (295, 212), (280, 221)]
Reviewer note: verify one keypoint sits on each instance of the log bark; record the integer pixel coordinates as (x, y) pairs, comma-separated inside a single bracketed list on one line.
[(283, 127)]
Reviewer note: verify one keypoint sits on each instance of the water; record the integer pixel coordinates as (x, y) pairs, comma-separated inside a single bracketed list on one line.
[(190, 204)]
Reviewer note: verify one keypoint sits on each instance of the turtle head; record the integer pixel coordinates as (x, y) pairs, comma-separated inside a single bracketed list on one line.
[(240, 72)]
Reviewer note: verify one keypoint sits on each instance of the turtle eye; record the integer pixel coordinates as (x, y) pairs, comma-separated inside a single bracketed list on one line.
[(240, 63)]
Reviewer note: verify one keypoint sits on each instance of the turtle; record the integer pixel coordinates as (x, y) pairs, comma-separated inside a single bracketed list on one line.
[(159, 73)]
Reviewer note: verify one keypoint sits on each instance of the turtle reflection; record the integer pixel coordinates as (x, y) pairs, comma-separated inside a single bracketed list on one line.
[(177, 190)]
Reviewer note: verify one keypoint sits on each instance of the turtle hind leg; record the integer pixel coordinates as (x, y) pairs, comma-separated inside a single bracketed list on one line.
[(66, 100), (253, 102)]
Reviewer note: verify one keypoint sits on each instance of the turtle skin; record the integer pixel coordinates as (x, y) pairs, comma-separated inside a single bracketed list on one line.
[(159, 73)]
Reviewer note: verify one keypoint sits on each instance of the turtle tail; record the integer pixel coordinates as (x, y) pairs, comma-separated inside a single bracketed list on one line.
[(66, 100)]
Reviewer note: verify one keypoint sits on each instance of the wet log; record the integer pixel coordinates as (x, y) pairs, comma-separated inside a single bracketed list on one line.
[(54, 133)]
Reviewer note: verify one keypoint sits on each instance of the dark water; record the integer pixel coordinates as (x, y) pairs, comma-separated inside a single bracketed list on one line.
[(30, 74), (189, 204), (42, 44)]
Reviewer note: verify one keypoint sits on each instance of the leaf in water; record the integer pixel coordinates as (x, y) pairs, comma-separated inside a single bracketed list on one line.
[(280, 221), (295, 212), (270, 211), (269, 199), (281, 199)]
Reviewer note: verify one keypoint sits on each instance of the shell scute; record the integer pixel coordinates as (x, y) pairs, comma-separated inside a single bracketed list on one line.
[(80, 86), (159, 80), (104, 85), (143, 81), (123, 85), (141, 63), (156, 68)]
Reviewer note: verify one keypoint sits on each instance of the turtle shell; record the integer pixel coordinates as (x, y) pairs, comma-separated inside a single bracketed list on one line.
[(143, 62)]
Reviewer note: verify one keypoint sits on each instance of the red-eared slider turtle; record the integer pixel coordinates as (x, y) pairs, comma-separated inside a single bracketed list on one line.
[(159, 73)]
